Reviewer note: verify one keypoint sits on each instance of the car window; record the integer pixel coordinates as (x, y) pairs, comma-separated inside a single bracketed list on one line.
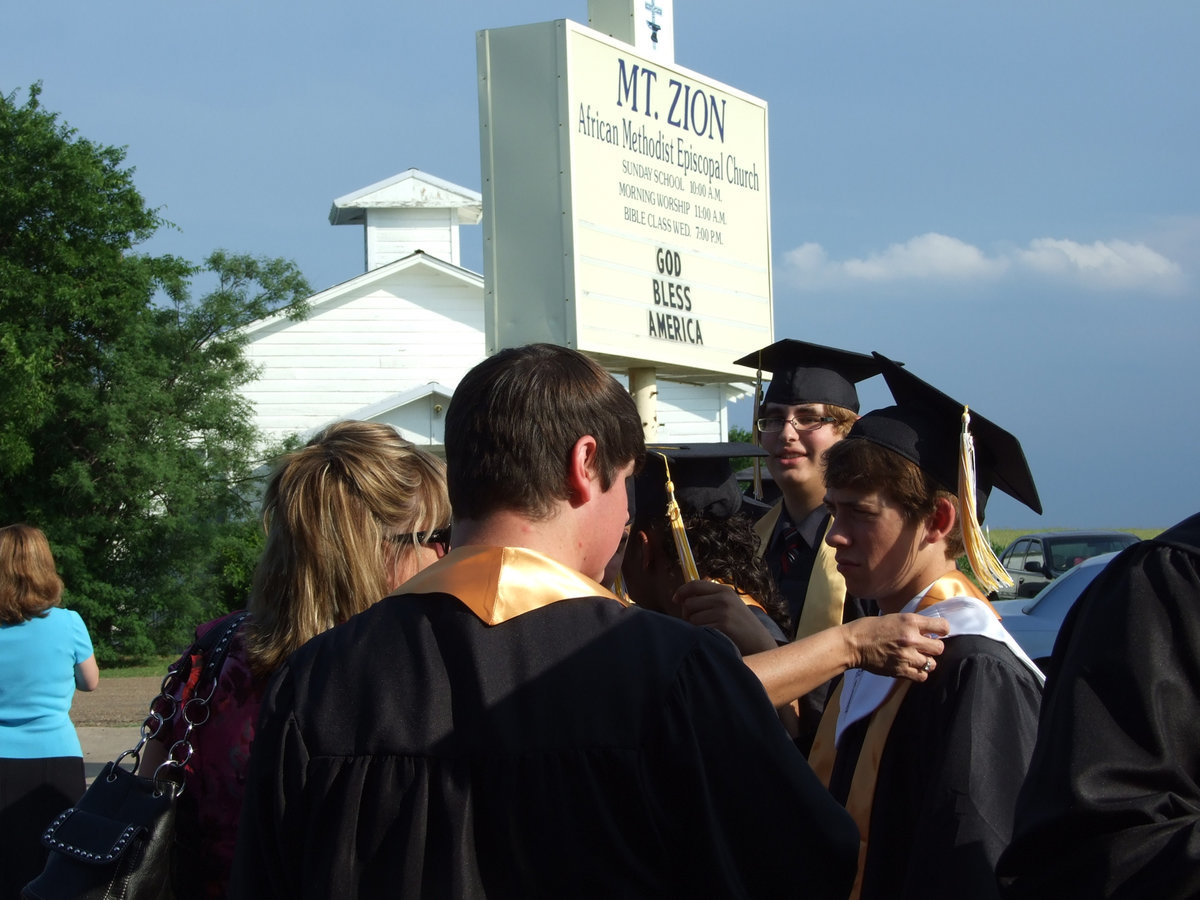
[(1035, 554), (1016, 558)]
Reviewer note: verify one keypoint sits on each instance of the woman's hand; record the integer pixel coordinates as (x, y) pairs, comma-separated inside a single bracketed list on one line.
[(899, 645)]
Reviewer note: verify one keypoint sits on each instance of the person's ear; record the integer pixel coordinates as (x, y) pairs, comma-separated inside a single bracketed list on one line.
[(940, 523), (582, 481), (639, 543)]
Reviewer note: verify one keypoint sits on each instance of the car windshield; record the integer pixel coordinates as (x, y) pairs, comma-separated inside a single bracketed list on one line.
[(1071, 552)]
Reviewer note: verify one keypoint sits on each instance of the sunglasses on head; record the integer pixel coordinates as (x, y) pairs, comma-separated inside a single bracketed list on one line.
[(437, 536)]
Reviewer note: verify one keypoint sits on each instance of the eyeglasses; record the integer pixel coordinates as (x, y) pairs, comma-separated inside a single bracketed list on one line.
[(769, 424), (424, 538)]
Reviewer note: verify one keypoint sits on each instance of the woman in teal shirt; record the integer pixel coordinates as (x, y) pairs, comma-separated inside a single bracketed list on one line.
[(45, 654)]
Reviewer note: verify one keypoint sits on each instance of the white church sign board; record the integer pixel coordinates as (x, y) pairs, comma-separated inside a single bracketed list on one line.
[(626, 204)]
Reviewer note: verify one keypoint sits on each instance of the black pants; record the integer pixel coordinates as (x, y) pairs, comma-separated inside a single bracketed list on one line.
[(32, 793)]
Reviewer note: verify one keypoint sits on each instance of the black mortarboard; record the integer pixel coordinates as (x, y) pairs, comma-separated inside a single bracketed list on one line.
[(925, 426), (812, 373), (965, 453), (702, 475)]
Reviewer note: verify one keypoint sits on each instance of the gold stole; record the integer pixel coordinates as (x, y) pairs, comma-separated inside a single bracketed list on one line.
[(825, 598), (501, 583), (764, 526), (866, 771), (861, 798)]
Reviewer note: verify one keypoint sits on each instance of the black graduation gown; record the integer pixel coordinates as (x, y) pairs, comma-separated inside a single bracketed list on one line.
[(948, 775), (794, 588), (1111, 807), (582, 749)]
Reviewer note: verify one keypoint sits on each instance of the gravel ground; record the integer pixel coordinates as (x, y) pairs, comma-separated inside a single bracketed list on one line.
[(118, 701), (108, 718)]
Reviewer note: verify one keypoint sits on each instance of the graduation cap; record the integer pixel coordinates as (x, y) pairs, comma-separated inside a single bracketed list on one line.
[(961, 450), (701, 474), (812, 373), (690, 478)]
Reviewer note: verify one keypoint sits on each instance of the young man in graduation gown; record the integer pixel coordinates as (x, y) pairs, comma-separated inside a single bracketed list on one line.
[(1111, 805), (504, 726), (809, 405), (930, 771)]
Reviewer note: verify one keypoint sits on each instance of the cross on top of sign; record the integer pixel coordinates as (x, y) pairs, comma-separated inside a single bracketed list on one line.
[(655, 11), (648, 25)]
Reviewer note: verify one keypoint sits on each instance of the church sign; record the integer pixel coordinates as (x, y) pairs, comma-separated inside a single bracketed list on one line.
[(626, 204)]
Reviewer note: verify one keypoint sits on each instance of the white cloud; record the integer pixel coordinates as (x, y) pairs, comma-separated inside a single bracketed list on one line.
[(926, 256), (939, 258), (1117, 264)]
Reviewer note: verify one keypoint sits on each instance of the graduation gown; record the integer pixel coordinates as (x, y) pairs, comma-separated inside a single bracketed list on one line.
[(482, 735), (947, 775), (1111, 807)]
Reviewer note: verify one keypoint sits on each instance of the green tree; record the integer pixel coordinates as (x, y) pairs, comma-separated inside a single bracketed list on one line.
[(124, 435), (741, 435)]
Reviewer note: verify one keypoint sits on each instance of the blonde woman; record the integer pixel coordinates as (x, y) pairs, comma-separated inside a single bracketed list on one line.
[(349, 518), (45, 654)]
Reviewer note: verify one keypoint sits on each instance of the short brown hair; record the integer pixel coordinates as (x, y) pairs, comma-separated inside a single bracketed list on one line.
[(516, 416), (843, 419), (328, 512), (29, 583), (863, 465)]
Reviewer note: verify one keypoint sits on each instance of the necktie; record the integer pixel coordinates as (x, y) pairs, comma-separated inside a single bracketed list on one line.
[(792, 547)]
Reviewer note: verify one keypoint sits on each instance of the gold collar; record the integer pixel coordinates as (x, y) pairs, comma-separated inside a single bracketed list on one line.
[(501, 583), (953, 584)]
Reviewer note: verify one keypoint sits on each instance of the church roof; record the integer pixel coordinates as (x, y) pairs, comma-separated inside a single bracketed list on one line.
[(418, 258), (412, 189)]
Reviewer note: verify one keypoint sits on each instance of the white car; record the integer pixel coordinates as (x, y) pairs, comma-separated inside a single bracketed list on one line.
[(1035, 623)]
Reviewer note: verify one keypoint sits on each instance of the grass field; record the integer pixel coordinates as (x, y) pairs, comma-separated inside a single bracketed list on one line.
[(157, 668), (1002, 537)]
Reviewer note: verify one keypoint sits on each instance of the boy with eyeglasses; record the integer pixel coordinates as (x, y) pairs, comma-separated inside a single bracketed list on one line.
[(809, 406)]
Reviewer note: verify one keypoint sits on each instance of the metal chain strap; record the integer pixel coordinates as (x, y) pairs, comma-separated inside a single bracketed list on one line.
[(170, 774)]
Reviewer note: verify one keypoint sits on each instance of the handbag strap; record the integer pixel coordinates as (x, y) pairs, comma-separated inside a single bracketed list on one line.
[(213, 648)]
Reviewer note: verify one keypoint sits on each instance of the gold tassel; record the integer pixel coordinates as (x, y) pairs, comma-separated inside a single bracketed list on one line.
[(618, 587), (987, 568), (755, 436), (686, 561)]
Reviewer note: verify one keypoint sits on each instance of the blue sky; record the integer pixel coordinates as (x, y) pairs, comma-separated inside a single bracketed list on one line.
[(1004, 196)]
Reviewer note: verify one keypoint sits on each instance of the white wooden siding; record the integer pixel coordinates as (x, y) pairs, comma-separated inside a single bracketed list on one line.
[(692, 412), (395, 233), (409, 329)]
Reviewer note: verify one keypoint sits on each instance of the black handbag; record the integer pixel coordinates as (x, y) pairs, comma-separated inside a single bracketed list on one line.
[(117, 842)]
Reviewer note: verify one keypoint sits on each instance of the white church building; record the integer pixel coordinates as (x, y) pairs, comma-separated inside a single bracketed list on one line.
[(391, 344)]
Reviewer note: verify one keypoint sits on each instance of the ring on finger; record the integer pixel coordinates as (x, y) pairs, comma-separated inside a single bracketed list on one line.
[(928, 664)]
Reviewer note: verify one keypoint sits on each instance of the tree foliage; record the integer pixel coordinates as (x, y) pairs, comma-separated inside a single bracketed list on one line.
[(737, 434), (124, 436)]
